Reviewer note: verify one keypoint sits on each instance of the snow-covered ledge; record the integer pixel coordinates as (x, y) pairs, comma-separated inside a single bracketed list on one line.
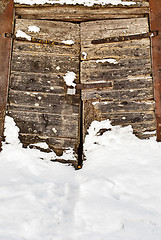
[(74, 2)]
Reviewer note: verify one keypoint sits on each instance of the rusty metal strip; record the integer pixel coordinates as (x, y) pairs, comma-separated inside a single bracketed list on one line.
[(155, 15), (6, 19), (37, 40), (123, 38), (155, 25), (156, 63)]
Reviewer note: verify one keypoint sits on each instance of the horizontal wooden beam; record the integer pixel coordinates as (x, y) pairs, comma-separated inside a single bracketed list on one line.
[(78, 13)]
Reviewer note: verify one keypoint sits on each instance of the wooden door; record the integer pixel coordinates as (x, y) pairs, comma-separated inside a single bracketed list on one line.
[(40, 101), (125, 65), (115, 77)]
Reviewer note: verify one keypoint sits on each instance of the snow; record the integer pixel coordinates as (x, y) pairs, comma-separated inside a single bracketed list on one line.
[(84, 2), (34, 29), (109, 60), (68, 42), (41, 145), (69, 79), (21, 34), (84, 54), (116, 195)]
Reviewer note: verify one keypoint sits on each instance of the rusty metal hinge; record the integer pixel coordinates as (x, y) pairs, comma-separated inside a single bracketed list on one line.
[(124, 38), (37, 40)]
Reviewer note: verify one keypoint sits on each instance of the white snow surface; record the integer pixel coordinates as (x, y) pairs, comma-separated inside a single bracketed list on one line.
[(21, 34), (115, 196), (109, 60), (69, 79), (69, 42), (34, 29), (84, 2)]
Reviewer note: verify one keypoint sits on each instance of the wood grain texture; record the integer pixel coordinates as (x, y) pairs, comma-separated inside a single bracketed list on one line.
[(38, 82), (91, 71), (127, 65), (46, 124), (80, 13), (49, 30), (38, 99), (111, 28), (27, 47), (41, 102), (42, 63), (141, 120), (120, 50), (123, 106), (124, 95)]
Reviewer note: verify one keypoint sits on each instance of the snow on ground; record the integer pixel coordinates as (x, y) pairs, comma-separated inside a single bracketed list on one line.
[(84, 2), (115, 196)]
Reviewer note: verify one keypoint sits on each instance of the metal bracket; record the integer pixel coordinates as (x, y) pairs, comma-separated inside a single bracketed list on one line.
[(36, 40), (124, 38)]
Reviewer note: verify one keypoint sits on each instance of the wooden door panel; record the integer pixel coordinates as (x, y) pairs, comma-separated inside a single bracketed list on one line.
[(127, 65), (112, 28), (38, 96)]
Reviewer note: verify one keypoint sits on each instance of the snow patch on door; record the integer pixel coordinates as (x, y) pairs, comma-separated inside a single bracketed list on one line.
[(21, 34), (74, 2), (69, 79), (109, 60), (34, 29)]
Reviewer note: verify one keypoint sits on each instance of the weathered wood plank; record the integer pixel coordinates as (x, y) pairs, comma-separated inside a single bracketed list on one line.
[(91, 71), (120, 50), (55, 143), (140, 120), (111, 28), (133, 83), (49, 30), (27, 47), (129, 117), (141, 130), (46, 124), (42, 63), (144, 126), (123, 106), (130, 83), (82, 13), (122, 95), (42, 102), (38, 82), (127, 65), (38, 99)]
